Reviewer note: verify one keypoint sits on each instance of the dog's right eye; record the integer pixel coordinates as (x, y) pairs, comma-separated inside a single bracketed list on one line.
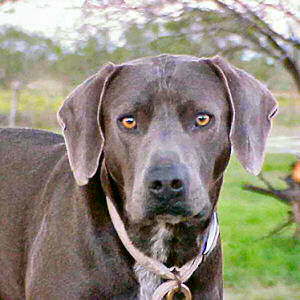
[(203, 119), (128, 122)]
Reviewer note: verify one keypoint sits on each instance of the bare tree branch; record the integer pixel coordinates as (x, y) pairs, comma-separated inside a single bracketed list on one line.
[(273, 193), (290, 221), (280, 7), (266, 31), (265, 27)]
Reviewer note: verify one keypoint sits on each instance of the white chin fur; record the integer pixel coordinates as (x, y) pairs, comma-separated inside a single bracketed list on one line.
[(160, 251), (163, 219)]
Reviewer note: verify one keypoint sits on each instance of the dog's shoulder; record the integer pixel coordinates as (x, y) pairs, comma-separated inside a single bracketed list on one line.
[(28, 136), (29, 146), (27, 158)]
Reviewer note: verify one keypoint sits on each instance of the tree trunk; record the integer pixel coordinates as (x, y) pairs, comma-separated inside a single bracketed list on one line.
[(292, 68), (296, 213), (14, 101)]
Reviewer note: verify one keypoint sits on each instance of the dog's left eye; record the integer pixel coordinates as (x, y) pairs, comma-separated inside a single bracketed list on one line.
[(128, 122), (202, 119)]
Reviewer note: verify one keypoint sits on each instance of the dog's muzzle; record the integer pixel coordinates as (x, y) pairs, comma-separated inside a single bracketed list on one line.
[(167, 185)]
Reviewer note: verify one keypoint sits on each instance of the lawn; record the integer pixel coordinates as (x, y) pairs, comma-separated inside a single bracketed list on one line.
[(34, 109), (257, 268)]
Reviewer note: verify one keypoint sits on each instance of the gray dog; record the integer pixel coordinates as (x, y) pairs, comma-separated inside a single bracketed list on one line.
[(155, 136)]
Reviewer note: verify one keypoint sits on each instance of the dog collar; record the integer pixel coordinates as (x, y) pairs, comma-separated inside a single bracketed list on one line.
[(176, 276)]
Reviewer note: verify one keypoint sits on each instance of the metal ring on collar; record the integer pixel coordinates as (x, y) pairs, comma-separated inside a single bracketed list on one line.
[(183, 289)]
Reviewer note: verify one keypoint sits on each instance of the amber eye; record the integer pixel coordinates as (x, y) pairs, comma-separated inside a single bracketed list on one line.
[(202, 120), (128, 122)]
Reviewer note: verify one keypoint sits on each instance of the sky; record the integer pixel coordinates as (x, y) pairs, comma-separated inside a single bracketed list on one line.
[(63, 20), (52, 20)]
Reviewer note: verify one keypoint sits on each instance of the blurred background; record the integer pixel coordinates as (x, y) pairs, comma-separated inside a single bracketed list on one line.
[(49, 47)]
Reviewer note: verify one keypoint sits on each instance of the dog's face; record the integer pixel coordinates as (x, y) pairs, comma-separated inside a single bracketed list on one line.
[(167, 125)]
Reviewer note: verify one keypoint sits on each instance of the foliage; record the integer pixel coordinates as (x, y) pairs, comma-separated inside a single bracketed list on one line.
[(223, 26), (262, 36), (28, 57), (23, 55)]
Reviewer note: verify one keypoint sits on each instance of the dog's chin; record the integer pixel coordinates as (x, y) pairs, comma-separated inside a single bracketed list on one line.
[(178, 237)]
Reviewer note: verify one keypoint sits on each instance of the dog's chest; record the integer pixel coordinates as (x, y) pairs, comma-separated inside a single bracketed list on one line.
[(159, 250)]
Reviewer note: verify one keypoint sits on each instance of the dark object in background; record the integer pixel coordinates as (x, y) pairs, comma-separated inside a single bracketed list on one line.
[(289, 196)]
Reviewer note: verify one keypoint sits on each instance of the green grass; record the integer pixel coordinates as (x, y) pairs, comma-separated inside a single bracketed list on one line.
[(30, 100), (34, 108), (245, 217), (289, 111)]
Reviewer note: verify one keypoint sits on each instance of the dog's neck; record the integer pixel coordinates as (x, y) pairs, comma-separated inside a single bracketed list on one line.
[(159, 249), (171, 244)]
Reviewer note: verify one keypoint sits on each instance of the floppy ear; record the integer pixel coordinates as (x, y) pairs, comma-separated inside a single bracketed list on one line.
[(253, 106), (78, 117)]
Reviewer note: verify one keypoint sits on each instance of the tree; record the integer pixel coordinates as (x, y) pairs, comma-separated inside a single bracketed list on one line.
[(263, 37), (236, 29), (226, 28), (23, 55)]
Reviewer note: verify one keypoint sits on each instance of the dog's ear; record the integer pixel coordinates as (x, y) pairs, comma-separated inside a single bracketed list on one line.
[(78, 117), (253, 106)]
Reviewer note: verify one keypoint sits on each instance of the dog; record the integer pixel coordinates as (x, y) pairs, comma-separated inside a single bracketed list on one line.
[(155, 136)]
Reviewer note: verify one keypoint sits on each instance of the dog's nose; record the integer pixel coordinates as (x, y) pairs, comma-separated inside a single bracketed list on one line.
[(166, 188), (167, 181)]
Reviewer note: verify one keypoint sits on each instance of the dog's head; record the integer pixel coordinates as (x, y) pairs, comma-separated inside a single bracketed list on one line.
[(165, 126)]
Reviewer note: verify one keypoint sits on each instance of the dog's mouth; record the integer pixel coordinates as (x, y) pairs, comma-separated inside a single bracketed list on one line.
[(173, 209), (174, 212), (169, 210), (171, 218)]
